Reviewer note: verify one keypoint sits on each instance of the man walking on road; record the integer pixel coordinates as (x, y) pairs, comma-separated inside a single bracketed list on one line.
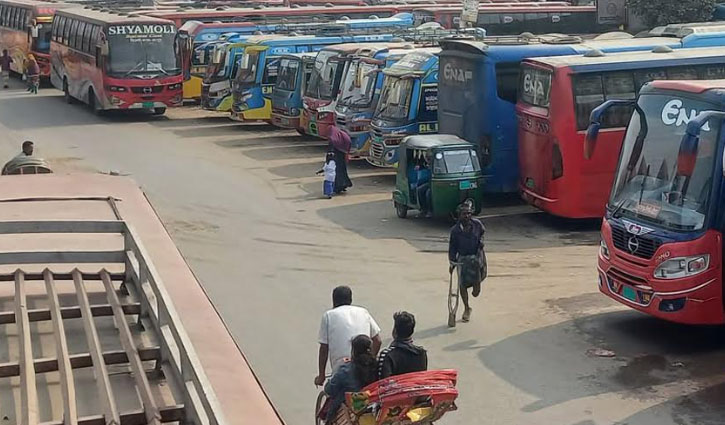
[(337, 329), (465, 250), (402, 356)]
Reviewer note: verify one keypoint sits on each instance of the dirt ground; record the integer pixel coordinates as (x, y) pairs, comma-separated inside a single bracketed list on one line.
[(245, 208)]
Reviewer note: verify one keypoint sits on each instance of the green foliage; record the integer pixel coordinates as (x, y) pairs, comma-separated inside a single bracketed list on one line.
[(662, 12)]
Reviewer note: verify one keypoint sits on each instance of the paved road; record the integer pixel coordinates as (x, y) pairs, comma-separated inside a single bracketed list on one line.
[(243, 205)]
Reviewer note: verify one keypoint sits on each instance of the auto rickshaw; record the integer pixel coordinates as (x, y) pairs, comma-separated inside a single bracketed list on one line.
[(26, 165), (436, 173)]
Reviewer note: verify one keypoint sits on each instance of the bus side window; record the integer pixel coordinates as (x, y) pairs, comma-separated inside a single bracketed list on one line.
[(79, 36), (2, 15), (618, 85), (588, 94), (67, 24), (87, 39), (682, 73), (712, 72), (507, 81), (73, 34), (646, 75)]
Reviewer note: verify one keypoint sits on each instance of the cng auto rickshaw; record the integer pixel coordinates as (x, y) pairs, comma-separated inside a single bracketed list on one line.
[(436, 173)]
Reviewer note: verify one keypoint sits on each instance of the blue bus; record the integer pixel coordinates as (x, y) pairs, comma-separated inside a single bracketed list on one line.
[(259, 65), (408, 105), (478, 88), (294, 73)]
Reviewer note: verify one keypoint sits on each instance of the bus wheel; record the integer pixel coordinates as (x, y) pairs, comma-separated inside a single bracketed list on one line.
[(93, 103), (66, 94), (159, 111)]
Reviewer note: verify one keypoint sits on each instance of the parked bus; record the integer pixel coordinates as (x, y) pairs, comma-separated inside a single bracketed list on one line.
[(115, 61), (478, 89), (17, 36), (216, 87), (257, 72), (293, 75), (277, 14), (359, 92), (509, 19), (408, 105), (557, 95), (202, 37), (662, 235)]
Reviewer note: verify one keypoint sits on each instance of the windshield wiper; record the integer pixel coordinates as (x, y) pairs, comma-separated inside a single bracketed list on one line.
[(135, 68), (618, 208)]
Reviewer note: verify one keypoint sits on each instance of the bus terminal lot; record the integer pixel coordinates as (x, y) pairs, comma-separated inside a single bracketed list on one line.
[(244, 207)]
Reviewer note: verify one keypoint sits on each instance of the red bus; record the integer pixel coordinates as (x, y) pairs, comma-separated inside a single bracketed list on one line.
[(116, 60), (516, 18), (17, 36), (556, 97), (307, 13)]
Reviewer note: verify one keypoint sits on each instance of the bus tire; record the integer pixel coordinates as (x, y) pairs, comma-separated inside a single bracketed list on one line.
[(159, 111), (66, 93), (93, 103)]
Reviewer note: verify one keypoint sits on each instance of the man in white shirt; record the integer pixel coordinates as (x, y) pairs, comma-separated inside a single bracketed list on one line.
[(337, 329)]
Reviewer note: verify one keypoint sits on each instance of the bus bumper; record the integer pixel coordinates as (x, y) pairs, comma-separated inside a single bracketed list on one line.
[(285, 121), (695, 300), (192, 89)]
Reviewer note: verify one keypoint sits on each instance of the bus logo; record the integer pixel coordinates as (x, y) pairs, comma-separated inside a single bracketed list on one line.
[(633, 244), (674, 114), (451, 73), (636, 229)]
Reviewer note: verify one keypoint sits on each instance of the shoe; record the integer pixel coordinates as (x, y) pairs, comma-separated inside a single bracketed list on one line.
[(329, 196), (466, 315), (5, 86)]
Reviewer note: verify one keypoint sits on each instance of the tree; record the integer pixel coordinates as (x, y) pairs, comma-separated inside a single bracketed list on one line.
[(662, 12)]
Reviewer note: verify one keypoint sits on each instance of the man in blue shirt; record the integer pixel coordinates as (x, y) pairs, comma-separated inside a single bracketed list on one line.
[(465, 250)]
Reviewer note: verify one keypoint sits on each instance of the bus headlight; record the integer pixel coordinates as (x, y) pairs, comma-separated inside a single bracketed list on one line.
[(603, 249), (116, 88), (245, 97), (678, 267), (294, 112), (174, 86), (323, 115)]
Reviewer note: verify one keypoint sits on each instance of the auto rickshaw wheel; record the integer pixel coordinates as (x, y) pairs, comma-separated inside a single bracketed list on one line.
[(401, 210)]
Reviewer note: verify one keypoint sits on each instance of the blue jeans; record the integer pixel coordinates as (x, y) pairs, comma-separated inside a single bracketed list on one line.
[(328, 187)]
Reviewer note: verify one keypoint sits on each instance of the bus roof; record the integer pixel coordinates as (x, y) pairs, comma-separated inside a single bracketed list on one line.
[(242, 12), (694, 86), (40, 5), (587, 62), (513, 8), (415, 62), (107, 17)]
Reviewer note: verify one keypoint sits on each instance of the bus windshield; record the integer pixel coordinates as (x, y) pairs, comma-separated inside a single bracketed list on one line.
[(218, 63), (358, 86), (138, 52), (648, 185), (42, 43), (322, 80), (248, 66), (287, 78), (395, 98)]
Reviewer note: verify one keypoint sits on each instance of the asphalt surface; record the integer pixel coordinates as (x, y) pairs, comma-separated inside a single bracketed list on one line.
[(245, 208)]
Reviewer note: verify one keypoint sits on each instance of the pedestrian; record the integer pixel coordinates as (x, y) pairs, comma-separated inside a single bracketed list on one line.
[(328, 186), (337, 329), (33, 73), (465, 250), (340, 145), (5, 61), (352, 376), (402, 356)]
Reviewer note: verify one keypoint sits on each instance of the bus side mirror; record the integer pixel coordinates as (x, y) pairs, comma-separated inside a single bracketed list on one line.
[(104, 48), (687, 155), (595, 119)]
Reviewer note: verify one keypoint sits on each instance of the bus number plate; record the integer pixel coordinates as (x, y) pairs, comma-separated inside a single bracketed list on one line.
[(148, 104), (629, 293)]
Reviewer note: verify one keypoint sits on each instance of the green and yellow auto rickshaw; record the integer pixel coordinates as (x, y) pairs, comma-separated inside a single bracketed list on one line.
[(436, 173)]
